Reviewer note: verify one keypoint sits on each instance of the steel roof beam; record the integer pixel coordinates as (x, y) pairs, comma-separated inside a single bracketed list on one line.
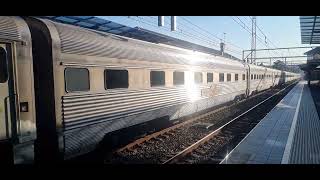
[(99, 25), (315, 17)]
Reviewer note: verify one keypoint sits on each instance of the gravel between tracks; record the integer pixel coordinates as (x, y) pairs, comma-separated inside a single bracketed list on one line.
[(160, 149)]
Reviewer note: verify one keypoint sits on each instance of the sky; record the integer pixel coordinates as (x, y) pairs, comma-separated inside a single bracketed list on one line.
[(280, 31)]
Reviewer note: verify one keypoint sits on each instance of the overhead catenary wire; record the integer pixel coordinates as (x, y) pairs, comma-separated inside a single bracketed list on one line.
[(205, 36), (266, 38), (184, 33), (215, 36), (271, 42), (208, 34), (245, 27)]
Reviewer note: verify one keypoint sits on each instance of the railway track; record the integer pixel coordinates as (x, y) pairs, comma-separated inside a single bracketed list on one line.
[(237, 128), (190, 141)]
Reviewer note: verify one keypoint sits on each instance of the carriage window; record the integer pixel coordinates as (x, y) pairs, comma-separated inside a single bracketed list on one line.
[(3, 66), (198, 77), (178, 78), (221, 77), (236, 77), (255, 76), (157, 78), (228, 77), (243, 77), (116, 79), (251, 76), (209, 77), (77, 79)]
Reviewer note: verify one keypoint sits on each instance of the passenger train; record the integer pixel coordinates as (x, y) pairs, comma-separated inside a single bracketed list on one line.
[(64, 87)]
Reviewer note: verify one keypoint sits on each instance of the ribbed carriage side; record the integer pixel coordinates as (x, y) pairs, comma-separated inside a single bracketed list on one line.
[(260, 78), (85, 117)]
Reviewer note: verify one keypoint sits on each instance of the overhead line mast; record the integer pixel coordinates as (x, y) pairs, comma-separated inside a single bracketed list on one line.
[(253, 40)]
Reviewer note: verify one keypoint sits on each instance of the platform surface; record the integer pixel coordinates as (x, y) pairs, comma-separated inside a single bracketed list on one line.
[(289, 134)]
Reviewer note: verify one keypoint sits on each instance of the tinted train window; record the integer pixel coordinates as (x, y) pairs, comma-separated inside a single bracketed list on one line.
[(236, 77), (157, 78), (221, 77), (198, 77), (209, 77), (243, 77), (228, 77), (178, 78), (115, 79), (3, 66), (76, 79)]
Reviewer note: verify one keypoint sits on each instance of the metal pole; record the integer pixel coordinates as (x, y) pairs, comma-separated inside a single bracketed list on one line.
[(285, 61), (173, 23), (160, 20), (243, 56), (270, 62), (253, 40)]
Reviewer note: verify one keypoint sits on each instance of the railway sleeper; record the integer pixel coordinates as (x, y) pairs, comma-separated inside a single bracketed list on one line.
[(199, 151)]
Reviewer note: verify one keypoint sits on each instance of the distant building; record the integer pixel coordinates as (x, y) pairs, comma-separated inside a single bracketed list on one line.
[(312, 68)]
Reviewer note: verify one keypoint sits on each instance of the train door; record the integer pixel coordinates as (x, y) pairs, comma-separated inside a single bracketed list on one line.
[(7, 104), (273, 79), (248, 81)]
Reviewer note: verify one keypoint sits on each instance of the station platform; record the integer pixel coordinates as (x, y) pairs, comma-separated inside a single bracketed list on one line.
[(289, 134)]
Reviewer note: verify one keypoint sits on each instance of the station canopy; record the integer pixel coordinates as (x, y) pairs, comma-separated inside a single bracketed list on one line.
[(99, 24), (310, 29)]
